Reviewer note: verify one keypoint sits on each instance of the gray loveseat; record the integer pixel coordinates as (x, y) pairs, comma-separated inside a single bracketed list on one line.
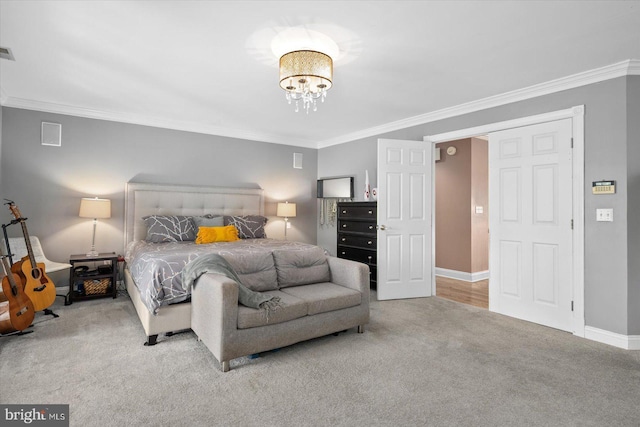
[(320, 295)]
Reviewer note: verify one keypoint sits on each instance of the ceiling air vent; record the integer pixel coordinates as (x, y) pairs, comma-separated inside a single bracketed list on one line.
[(5, 53)]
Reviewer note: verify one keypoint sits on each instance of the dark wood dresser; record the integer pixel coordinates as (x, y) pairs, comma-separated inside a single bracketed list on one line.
[(357, 234)]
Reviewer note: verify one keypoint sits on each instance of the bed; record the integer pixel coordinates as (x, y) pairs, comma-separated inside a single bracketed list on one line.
[(164, 307)]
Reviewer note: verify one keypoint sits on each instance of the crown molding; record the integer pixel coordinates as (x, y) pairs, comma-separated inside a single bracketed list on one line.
[(619, 69), (203, 128), (634, 67)]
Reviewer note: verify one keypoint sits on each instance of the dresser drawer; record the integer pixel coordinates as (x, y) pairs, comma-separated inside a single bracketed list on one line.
[(358, 212), (357, 226), (359, 241), (360, 255)]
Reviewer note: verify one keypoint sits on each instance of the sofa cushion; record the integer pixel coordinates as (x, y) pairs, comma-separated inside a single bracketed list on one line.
[(301, 267), (291, 308), (256, 271), (323, 297)]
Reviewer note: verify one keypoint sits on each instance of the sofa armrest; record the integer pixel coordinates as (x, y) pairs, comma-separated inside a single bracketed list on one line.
[(350, 274), (214, 311)]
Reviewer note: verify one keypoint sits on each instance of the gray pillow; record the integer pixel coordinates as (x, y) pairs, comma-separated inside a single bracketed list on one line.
[(170, 228), (207, 221), (249, 226), (256, 271), (301, 267)]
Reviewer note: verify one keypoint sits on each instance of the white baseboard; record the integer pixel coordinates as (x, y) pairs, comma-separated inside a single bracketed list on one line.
[(627, 342), (462, 275)]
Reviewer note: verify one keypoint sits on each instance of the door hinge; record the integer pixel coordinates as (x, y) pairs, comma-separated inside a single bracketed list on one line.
[(572, 224), (571, 142), (571, 305)]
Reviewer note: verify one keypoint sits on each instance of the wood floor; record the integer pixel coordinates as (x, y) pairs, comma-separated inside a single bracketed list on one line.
[(473, 293)]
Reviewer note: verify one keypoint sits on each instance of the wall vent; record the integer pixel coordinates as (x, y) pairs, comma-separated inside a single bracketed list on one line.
[(51, 134)]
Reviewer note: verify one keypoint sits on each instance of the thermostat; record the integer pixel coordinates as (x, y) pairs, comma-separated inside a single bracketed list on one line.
[(603, 187)]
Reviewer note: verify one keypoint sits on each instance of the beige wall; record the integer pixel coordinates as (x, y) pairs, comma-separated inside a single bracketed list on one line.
[(479, 197), (461, 185)]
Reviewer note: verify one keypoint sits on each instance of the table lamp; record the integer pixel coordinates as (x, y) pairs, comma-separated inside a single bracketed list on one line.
[(286, 210), (94, 208)]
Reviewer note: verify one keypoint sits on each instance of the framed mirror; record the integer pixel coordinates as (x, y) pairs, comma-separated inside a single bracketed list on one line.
[(339, 188)]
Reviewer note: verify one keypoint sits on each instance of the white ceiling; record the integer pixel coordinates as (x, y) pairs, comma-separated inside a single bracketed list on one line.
[(206, 66)]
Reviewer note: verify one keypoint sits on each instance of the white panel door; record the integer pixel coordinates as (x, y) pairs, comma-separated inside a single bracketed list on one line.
[(404, 219), (530, 223)]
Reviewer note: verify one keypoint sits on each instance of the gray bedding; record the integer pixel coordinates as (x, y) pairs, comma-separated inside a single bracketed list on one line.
[(156, 267)]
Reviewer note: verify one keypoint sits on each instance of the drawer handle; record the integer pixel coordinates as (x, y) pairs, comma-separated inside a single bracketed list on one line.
[(344, 212), (344, 253), (344, 240), (368, 243), (344, 225), (369, 257), (371, 227), (370, 212)]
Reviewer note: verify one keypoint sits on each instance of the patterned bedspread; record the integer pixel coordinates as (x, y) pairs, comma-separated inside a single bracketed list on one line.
[(156, 267)]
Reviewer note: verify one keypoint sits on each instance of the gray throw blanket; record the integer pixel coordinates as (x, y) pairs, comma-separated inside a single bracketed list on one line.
[(214, 263)]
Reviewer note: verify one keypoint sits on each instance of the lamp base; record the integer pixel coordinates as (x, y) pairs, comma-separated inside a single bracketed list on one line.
[(92, 253)]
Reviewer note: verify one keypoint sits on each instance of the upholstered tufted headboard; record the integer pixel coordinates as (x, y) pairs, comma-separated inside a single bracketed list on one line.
[(142, 199)]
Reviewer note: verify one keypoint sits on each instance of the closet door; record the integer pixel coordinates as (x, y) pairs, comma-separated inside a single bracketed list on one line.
[(530, 223)]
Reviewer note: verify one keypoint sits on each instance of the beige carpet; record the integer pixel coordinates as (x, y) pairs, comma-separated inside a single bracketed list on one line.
[(421, 362)]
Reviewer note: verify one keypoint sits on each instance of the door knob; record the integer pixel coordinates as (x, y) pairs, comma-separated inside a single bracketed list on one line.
[(381, 227)]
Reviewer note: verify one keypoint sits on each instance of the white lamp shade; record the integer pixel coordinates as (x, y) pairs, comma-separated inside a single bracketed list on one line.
[(287, 210), (95, 208)]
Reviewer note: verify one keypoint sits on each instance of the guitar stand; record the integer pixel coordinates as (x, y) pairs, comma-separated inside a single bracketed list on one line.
[(49, 312), (46, 311), (17, 333)]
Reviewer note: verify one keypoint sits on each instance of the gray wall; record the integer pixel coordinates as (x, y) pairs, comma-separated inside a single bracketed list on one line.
[(633, 201), (98, 157), (351, 159), (606, 147)]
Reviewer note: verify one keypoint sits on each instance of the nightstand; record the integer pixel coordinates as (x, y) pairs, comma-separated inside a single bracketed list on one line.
[(92, 277)]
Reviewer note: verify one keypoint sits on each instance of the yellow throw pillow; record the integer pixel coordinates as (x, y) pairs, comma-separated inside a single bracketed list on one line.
[(217, 234)]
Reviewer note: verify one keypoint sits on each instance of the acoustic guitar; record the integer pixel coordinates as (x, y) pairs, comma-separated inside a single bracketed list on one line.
[(37, 285), (17, 311)]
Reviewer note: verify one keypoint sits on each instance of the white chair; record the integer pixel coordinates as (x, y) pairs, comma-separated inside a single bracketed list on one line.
[(19, 250)]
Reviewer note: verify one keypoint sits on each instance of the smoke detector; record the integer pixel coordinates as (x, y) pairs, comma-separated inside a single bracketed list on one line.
[(5, 53)]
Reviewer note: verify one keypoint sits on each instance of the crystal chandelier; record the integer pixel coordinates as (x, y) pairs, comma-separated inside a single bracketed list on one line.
[(306, 76)]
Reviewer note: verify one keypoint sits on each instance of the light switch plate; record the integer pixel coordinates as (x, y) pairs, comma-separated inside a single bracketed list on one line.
[(479, 209), (604, 215)]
